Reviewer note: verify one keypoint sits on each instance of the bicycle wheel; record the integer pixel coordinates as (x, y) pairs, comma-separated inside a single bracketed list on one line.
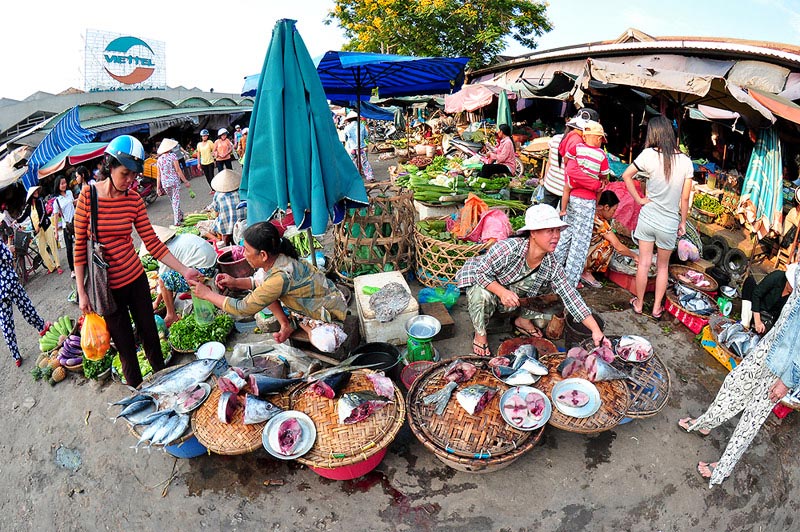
[(32, 262), (23, 265)]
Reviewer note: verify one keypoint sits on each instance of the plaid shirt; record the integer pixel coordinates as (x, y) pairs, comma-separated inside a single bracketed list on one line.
[(225, 204), (505, 263)]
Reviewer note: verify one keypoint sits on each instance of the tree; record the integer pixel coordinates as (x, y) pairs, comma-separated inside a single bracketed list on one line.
[(474, 29)]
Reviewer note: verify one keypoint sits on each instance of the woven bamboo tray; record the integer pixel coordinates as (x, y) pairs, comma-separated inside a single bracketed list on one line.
[(673, 298), (343, 445), (614, 397), (389, 218), (542, 345), (471, 443), (649, 385), (234, 437), (438, 262), (677, 269)]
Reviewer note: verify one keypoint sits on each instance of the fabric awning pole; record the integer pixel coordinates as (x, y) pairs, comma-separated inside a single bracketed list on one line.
[(311, 245), (358, 134)]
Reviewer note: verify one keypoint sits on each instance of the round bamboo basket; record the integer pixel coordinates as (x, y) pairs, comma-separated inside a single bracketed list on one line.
[(649, 386), (675, 301), (229, 438), (438, 262), (614, 397), (388, 221), (346, 445), (480, 443), (543, 346), (676, 269)]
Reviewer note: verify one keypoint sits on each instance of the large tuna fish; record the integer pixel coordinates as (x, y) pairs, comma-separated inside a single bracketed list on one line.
[(475, 398), (357, 406)]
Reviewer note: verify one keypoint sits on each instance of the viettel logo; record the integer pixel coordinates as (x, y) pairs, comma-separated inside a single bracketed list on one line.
[(129, 67)]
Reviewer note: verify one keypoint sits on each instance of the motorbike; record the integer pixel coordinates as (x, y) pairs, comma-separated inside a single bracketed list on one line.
[(455, 146), (146, 188)]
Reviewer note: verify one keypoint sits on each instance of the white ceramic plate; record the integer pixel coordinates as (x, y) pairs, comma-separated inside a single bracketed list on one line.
[(529, 422), (636, 339), (269, 437), (214, 350), (180, 409), (582, 385)]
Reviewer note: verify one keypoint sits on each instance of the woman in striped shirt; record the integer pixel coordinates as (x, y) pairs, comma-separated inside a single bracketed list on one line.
[(119, 209)]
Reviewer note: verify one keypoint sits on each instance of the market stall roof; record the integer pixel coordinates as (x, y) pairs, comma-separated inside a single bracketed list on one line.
[(472, 97), (777, 104), (369, 110), (685, 88), (72, 156), (355, 75), (416, 102)]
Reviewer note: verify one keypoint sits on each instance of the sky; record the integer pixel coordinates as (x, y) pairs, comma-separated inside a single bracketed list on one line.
[(208, 47)]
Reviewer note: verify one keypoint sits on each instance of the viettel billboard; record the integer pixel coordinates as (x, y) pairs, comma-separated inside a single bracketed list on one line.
[(123, 62)]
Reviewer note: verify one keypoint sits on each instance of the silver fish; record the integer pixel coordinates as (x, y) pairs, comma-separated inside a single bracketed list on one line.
[(535, 367), (132, 408), (344, 365), (131, 399), (181, 378), (178, 430), (154, 416), (520, 377), (356, 406), (147, 434), (137, 417), (600, 370), (475, 398), (168, 427), (441, 398), (257, 410)]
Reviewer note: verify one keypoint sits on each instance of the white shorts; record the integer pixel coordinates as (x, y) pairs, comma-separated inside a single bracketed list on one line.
[(648, 233)]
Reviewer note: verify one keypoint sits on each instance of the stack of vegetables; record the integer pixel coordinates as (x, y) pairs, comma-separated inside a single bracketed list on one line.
[(56, 334), (708, 204), (186, 335), (192, 218)]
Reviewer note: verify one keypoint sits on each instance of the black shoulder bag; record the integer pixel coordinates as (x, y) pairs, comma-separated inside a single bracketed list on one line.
[(96, 278)]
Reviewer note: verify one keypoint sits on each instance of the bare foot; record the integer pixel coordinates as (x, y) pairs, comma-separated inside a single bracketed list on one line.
[(706, 469), (525, 327), (687, 422)]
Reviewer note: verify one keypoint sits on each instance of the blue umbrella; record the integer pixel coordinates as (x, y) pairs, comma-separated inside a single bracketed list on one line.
[(293, 156), (761, 203)]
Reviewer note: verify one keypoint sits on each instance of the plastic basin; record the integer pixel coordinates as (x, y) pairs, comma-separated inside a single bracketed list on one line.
[(380, 356), (350, 472)]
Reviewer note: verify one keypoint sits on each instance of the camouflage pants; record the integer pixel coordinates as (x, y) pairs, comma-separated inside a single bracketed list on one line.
[(482, 304)]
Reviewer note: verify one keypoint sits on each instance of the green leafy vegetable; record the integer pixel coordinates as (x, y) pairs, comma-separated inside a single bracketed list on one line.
[(187, 335)]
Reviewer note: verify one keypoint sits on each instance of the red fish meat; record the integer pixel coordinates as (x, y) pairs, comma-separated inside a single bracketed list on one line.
[(600, 370), (535, 404), (227, 405), (573, 398), (290, 432), (516, 410), (569, 366), (460, 371), (578, 353), (382, 384), (499, 361)]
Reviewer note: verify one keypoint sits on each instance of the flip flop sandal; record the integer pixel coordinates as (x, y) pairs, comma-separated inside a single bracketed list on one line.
[(657, 316), (689, 421), (633, 305), (710, 469), (484, 348), (527, 333), (593, 284)]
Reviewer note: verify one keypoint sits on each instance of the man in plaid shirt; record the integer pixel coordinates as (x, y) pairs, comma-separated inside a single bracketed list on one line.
[(521, 267), (226, 198)]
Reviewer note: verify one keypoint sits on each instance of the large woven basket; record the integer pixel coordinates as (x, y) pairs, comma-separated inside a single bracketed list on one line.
[(649, 386), (388, 221), (345, 445), (676, 269), (438, 262), (479, 443), (234, 437), (543, 345), (614, 397), (673, 298)]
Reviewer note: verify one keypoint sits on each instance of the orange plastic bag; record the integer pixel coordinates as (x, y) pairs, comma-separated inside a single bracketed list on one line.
[(95, 338), (469, 216)]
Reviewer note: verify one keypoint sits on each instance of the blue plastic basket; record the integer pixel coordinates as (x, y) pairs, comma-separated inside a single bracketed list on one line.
[(190, 448)]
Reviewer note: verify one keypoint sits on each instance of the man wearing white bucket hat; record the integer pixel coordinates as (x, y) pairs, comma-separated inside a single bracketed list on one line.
[(226, 199), (522, 266), (170, 177)]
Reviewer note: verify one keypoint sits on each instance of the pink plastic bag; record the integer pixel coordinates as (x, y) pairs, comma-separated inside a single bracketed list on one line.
[(493, 225)]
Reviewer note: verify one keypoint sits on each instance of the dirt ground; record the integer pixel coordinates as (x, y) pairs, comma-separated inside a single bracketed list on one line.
[(66, 466)]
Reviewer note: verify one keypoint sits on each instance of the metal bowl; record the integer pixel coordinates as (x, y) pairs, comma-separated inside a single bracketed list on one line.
[(728, 291), (423, 327)]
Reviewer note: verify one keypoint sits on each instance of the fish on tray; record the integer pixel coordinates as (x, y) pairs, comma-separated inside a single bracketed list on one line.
[(441, 398), (634, 348), (499, 361), (600, 370), (191, 397), (135, 407), (331, 385), (693, 301), (569, 366), (382, 384), (510, 376), (232, 381), (357, 406), (152, 429), (516, 410), (181, 378), (475, 398), (572, 398), (535, 404), (228, 402), (176, 430), (459, 371), (603, 351), (578, 353), (262, 385), (257, 410), (290, 433)]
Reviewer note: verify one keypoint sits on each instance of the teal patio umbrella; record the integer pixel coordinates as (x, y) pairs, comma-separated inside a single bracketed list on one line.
[(503, 110), (761, 203), (293, 156)]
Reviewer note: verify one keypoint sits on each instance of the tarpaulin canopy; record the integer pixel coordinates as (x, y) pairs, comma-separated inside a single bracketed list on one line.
[(777, 104), (761, 203), (368, 110), (682, 87), (293, 155), (75, 155), (67, 133), (473, 97), (503, 110)]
